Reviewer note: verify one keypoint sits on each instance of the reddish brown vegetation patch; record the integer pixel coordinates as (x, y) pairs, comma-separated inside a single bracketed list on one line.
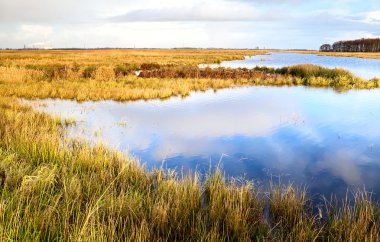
[(219, 73)]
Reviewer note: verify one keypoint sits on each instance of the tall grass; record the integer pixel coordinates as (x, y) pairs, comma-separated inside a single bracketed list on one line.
[(67, 191), (53, 189), (95, 75), (114, 57), (366, 55), (101, 83)]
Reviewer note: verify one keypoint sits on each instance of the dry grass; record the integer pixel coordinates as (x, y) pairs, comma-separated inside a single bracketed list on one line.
[(366, 55), (70, 192), (111, 58), (109, 74), (53, 189), (102, 84)]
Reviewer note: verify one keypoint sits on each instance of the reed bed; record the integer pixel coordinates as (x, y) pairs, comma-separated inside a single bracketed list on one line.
[(110, 74), (365, 55), (109, 83), (54, 189), (113, 57), (66, 191)]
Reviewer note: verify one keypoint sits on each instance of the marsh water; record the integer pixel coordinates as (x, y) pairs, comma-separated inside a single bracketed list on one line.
[(325, 140), (365, 68)]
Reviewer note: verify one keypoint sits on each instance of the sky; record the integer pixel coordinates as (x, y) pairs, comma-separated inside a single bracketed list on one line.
[(283, 24)]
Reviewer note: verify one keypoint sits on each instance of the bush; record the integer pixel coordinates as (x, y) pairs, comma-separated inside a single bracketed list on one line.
[(150, 66), (75, 67), (55, 71), (50, 72), (309, 70), (89, 72), (125, 69), (265, 69)]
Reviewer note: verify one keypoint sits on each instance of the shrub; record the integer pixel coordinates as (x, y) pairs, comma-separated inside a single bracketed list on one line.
[(309, 70), (75, 67), (150, 66), (50, 72), (89, 72), (55, 71), (125, 69)]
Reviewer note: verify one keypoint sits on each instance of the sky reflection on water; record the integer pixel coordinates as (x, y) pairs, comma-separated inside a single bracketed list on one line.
[(362, 67), (315, 137)]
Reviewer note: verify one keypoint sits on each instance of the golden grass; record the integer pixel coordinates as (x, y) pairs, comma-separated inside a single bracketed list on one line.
[(109, 74), (67, 191), (112, 57), (365, 55), (133, 88), (53, 189)]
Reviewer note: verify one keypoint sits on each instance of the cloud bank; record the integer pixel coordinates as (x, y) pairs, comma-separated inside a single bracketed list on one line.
[(196, 23)]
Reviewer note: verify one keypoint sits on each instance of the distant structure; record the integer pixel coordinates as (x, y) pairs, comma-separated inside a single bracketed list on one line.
[(39, 46), (360, 45)]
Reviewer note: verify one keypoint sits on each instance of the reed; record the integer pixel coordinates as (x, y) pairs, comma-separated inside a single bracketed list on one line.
[(365, 55), (164, 84), (54, 189), (96, 75), (114, 57)]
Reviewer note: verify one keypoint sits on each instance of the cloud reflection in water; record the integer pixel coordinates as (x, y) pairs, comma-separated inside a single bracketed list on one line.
[(316, 137)]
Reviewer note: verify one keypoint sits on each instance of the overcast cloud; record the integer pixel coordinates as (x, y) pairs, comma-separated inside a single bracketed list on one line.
[(191, 23)]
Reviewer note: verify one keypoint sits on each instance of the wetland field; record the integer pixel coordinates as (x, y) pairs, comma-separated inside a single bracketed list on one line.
[(189, 145)]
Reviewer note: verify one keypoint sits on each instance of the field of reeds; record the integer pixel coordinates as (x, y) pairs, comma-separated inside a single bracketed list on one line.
[(369, 55), (131, 75), (54, 189)]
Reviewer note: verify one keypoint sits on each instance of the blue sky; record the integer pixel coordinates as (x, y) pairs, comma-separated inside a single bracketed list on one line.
[(192, 23)]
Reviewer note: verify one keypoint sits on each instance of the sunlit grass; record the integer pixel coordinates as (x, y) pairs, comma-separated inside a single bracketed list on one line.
[(113, 57), (366, 55), (164, 84), (53, 189), (96, 75)]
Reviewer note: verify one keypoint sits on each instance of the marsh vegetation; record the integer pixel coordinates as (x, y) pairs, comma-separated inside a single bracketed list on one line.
[(370, 55), (58, 189)]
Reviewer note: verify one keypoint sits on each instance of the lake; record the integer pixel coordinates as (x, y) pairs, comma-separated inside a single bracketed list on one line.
[(365, 68), (325, 140)]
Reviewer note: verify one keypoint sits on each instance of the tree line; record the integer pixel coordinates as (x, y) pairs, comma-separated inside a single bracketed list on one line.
[(360, 45)]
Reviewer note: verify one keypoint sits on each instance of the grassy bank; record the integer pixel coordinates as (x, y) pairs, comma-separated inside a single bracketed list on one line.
[(62, 190), (71, 192), (365, 55), (167, 82), (110, 74)]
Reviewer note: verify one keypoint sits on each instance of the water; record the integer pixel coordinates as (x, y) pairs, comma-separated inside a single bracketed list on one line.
[(316, 137), (365, 68)]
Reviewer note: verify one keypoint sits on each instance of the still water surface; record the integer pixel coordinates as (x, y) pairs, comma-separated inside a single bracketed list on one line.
[(365, 68), (316, 137)]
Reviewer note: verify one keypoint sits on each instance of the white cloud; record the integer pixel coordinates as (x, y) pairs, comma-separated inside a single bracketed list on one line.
[(372, 17), (196, 23), (211, 11), (36, 30), (349, 35), (31, 35), (343, 164), (41, 11)]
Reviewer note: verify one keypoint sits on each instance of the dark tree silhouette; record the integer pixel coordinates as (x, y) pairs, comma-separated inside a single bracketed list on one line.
[(360, 45)]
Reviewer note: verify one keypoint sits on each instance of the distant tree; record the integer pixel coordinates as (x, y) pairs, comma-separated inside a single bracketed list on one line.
[(325, 47), (360, 45)]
